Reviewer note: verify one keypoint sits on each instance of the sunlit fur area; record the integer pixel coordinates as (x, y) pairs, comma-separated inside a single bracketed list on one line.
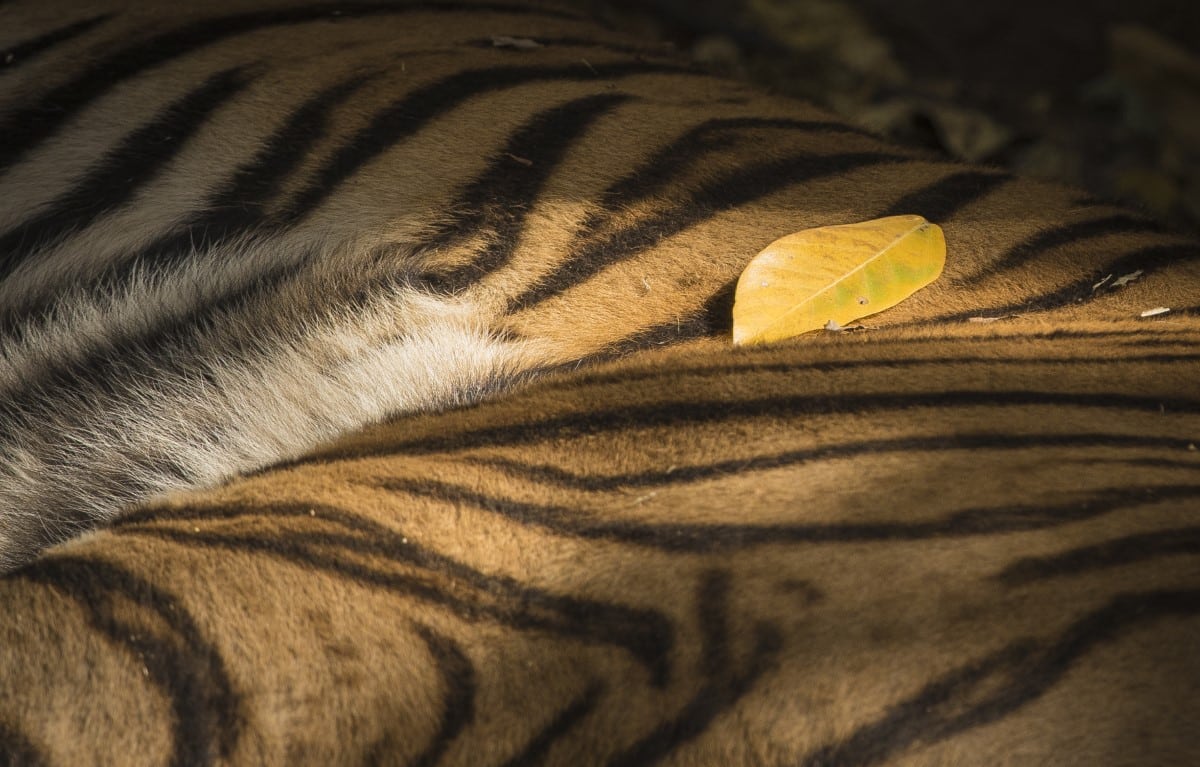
[(368, 397)]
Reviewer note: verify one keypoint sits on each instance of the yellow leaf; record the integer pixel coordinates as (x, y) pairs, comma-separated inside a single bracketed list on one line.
[(834, 274)]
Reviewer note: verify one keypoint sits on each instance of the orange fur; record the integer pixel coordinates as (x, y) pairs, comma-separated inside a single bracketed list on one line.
[(936, 541)]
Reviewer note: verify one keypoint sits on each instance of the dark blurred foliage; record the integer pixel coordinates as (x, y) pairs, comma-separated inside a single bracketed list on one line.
[(1100, 93)]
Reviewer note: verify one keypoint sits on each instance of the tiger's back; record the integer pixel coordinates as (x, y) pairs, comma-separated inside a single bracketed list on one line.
[(849, 552), (231, 235)]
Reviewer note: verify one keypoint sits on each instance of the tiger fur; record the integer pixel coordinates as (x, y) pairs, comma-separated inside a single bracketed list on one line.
[(290, 242)]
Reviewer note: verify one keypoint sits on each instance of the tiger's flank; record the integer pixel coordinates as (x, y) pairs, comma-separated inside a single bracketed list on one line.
[(368, 396)]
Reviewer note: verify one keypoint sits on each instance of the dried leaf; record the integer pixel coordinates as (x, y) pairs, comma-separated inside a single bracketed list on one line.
[(833, 275), (1125, 279)]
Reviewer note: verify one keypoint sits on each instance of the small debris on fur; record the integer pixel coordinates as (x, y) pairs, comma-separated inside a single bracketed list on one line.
[(1101, 283), (993, 319), (1125, 279), (519, 43), (523, 160), (834, 327), (1155, 311)]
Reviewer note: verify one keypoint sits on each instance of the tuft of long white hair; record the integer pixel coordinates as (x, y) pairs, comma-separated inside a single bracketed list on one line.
[(238, 387)]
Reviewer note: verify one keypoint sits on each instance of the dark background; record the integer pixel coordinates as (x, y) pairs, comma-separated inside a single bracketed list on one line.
[(1103, 94)]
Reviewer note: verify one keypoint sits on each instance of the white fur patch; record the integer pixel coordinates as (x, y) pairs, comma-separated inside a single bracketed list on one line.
[(258, 384)]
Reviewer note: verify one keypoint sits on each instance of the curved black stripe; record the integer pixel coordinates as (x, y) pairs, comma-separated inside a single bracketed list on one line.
[(257, 182), (715, 318), (735, 188), (28, 127), (415, 110), (18, 54), (1155, 463), (182, 663), (1145, 335), (744, 364), (988, 689), (712, 613), (238, 206), (686, 151), (1148, 260), (169, 340), (1114, 552), (705, 322), (501, 198), (1035, 245), (124, 170), (16, 750), (534, 754), (592, 481), (940, 200), (368, 553), (705, 706), (661, 414), (725, 684), (458, 694), (572, 522), (1148, 335), (651, 178)]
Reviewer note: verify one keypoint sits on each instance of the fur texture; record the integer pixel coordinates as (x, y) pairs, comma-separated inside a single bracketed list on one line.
[(256, 256)]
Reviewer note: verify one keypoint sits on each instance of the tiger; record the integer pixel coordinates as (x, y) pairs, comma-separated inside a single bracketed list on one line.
[(368, 398)]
